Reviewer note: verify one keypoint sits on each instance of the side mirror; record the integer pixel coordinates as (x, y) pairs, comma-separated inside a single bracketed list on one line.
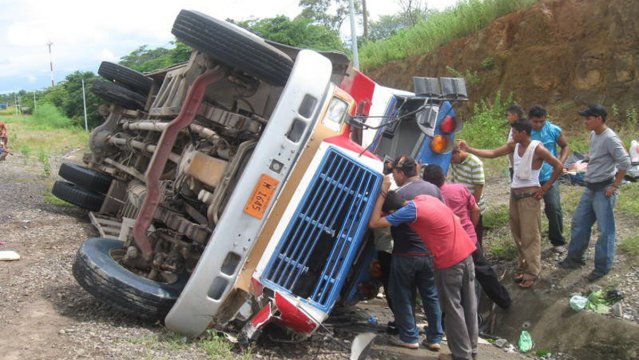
[(357, 122), (427, 119)]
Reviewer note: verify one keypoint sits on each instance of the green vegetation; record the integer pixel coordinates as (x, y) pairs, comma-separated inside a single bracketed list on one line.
[(630, 246), (299, 32), (488, 127), (217, 347), (466, 17), (45, 134)]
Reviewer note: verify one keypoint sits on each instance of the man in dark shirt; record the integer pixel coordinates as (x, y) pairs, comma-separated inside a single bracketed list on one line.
[(412, 266)]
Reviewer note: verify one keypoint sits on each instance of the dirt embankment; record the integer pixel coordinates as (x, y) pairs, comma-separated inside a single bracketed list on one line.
[(558, 53)]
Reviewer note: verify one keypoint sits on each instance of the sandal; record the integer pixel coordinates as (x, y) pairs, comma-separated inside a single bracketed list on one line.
[(527, 283), (518, 277)]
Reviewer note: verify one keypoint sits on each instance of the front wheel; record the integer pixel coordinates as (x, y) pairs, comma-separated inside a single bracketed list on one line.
[(97, 270)]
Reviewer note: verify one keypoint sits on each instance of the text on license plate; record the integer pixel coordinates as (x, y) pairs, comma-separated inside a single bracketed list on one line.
[(261, 197)]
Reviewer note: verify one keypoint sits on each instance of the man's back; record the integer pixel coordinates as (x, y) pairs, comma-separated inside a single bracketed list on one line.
[(442, 231)]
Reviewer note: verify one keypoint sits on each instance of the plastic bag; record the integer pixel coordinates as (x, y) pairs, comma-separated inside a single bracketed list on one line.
[(578, 302), (525, 341)]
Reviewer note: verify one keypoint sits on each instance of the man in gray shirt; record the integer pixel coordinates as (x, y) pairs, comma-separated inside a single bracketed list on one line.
[(598, 200)]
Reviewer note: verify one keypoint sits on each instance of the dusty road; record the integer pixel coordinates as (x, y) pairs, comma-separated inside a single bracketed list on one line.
[(45, 314)]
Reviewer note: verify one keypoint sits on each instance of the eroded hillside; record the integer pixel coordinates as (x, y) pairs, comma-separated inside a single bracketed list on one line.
[(559, 53)]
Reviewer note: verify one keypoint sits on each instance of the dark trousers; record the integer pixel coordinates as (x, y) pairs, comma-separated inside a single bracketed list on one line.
[(384, 259), (487, 278), (479, 230)]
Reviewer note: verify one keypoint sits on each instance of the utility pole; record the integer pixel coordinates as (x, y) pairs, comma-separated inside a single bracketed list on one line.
[(365, 20), (51, 62), (35, 106), (354, 37), (84, 103)]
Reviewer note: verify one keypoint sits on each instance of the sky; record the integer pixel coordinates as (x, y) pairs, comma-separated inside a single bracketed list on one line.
[(84, 33)]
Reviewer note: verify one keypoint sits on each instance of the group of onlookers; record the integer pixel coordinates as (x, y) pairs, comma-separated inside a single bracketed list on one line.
[(436, 227)]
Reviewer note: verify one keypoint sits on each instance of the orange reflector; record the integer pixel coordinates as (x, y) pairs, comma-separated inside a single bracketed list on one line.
[(439, 144), (448, 125)]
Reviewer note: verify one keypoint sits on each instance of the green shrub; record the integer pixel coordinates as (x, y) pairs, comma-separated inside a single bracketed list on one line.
[(47, 116), (467, 17), (487, 128)]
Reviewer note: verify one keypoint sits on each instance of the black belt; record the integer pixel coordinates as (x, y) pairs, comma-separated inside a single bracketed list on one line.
[(598, 186), (523, 195)]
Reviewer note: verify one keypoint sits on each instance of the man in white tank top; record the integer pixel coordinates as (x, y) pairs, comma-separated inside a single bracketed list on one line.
[(525, 196)]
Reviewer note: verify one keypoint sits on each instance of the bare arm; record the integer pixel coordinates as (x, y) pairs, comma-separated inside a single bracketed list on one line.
[(477, 192), (545, 155), (377, 221), (565, 148), (475, 214), (491, 154)]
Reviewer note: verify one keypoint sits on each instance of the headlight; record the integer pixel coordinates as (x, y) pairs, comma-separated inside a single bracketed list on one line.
[(335, 114)]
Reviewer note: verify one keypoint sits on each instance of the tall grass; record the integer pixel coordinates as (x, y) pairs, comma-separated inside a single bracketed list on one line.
[(488, 128), (467, 17), (42, 135)]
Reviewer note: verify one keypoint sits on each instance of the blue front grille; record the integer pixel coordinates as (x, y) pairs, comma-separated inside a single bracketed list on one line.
[(317, 250)]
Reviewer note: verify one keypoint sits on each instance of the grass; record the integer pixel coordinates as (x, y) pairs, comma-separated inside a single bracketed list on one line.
[(630, 246), (467, 17), (43, 135), (217, 347)]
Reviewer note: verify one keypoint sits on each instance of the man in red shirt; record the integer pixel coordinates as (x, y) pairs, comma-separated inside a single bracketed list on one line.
[(452, 248)]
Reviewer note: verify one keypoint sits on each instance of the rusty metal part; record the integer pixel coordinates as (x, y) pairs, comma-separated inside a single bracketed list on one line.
[(124, 142), (187, 114), (231, 173), (178, 223)]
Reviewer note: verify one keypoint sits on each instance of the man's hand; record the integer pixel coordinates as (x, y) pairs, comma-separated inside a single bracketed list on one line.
[(462, 145), (539, 194), (610, 190)]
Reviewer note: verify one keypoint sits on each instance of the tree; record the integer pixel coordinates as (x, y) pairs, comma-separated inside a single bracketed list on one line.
[(144, 59), (299, 32), (386, 26), (413, 11), (330, 13), (67, 97)]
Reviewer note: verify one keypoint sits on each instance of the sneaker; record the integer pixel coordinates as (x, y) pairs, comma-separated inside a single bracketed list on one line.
[(391, 328), (569, 264), (559, 249), (431, 346), (594, 276), (395, 340)]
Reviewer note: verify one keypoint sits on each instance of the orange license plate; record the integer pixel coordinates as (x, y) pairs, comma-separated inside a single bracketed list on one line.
[(261, 198)]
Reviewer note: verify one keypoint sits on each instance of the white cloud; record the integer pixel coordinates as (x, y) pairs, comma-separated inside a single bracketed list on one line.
[(86, 32)]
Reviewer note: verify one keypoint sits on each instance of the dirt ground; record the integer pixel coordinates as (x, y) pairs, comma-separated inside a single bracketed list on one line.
[(45, 314)]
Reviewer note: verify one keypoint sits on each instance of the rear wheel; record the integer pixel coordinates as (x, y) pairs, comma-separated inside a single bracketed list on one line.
[(78, 196), (233, 46), (97, 270), (86, 178), (118, 95), (129, 78)]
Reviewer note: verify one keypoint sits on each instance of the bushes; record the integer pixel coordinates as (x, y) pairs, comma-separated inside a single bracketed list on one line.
[(47, 116), (467, 17)]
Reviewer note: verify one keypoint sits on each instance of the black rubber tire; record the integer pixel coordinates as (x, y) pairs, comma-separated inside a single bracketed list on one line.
[(118, 94), (233, 46), (103, 277), (129, 78), (86, 178), (78, 196)]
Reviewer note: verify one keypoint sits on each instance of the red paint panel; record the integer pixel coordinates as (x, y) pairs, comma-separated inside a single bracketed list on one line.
[(292, 317)]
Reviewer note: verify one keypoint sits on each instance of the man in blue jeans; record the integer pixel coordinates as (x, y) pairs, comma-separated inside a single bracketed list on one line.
[(412, 267), (598, 200), (550, 136)]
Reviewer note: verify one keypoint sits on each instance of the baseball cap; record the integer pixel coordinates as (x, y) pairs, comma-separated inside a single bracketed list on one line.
[(594, 110)]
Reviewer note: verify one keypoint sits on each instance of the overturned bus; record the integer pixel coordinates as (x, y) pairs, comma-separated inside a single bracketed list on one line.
[(237, 187)]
